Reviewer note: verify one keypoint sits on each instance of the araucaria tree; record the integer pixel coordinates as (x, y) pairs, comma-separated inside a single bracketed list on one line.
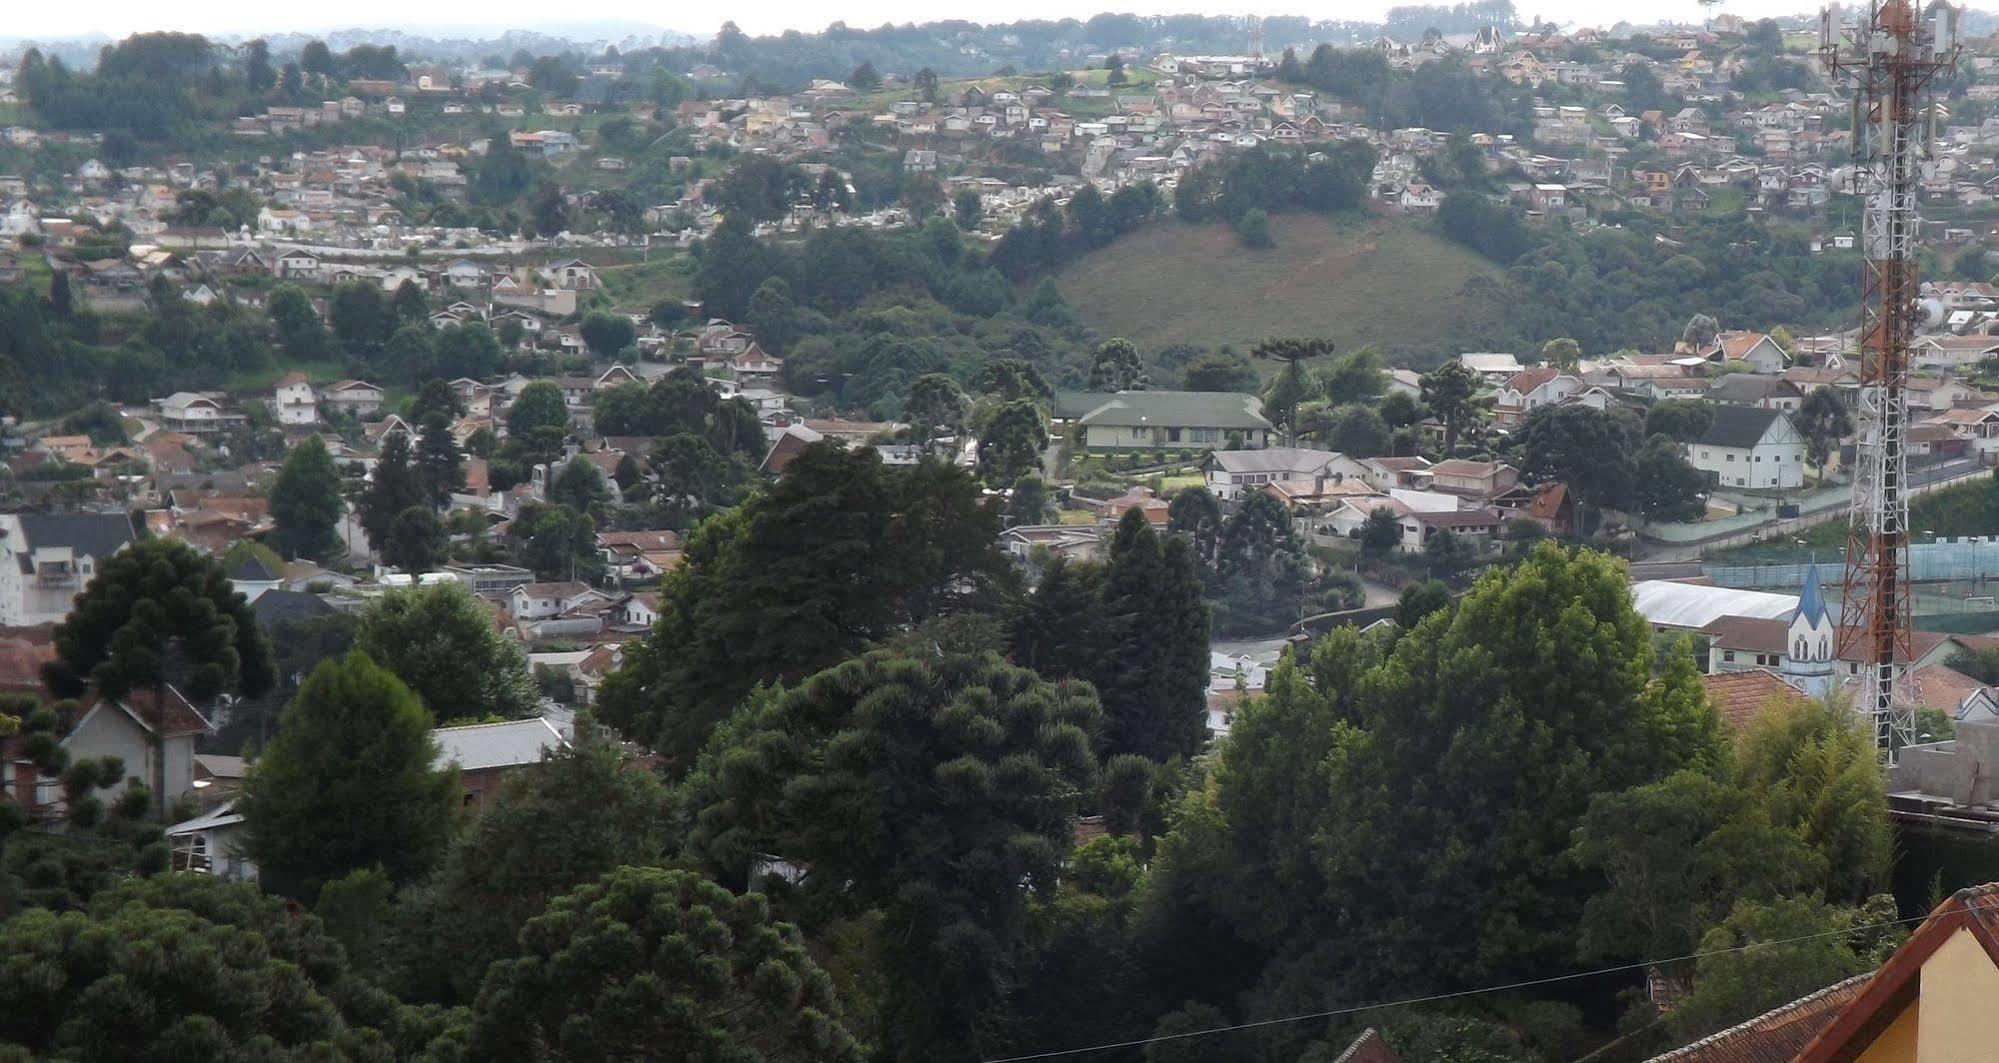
[(157, 616), (348, 783), (652, 964), (998, 760)]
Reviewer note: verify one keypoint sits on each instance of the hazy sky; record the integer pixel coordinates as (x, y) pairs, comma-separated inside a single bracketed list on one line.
[(28, 18)]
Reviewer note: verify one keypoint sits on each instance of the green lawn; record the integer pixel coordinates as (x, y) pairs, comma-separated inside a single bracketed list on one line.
[(1393, 283), (649, 283)]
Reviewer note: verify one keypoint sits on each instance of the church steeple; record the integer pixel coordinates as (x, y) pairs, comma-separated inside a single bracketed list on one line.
[(1811, 641)]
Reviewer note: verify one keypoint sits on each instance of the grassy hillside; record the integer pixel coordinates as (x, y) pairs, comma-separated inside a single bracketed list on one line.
[(1392, 283), (1969, 508)]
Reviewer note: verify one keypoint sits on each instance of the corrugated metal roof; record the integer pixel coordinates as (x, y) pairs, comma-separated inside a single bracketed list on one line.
[(495, 745), (1692, 605)]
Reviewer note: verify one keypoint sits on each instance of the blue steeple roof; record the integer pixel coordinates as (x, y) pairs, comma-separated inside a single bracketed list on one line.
[(1811, 603)]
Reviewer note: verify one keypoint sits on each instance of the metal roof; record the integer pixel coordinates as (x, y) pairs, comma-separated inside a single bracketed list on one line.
[(496, 745), (1668, 603)]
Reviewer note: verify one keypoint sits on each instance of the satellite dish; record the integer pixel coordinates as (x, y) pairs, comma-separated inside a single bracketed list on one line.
[(1933, 311)]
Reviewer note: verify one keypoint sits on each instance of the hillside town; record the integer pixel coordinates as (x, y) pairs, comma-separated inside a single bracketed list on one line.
[(729, 549)]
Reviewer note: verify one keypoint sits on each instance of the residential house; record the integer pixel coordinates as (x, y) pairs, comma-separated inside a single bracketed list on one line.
[(1494, 369), (1755, 348), (136, 730), (1474, 479), (486, 754), (353, 398), (198, 413), (1166, 419), (1976, 428), (1529, 390), (637, 556), (1751, 447), (1234, 473), (293, 401), (1756, 389), (213, 843), (47, 558)]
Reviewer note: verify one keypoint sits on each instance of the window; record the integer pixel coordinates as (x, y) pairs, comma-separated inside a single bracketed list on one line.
[(1728, 655), (1731, 458)]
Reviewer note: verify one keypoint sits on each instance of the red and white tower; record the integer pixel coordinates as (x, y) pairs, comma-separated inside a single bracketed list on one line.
[(1889, 55)]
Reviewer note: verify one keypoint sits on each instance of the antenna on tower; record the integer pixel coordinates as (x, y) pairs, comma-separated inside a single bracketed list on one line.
[(1256, 36), (1890, 57)]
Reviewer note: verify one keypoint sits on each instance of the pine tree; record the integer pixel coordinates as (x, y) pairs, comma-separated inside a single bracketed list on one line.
[(395, 487), (1154, 685), (440, 468), (306, 502)]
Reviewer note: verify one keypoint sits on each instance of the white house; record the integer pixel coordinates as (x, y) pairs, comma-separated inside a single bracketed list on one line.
[(212, 843), (293, 400), (1756, 348), (194, 412), (1750, 447), (1529, 390), (357, 398), (132, 730), (1234, 473), (46, 558)]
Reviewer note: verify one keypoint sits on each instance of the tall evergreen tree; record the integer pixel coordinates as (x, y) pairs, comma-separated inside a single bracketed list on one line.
[(440, 468), (348, 783), (1154, 683), (306, 502), (394, 486)]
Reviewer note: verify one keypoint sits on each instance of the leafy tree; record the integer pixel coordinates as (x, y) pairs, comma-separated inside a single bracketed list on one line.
[(1448, 554), (1407, 768), (922, 196), (1357, 431), (997, 756), (606, 333), (1684, 420), (1819, 773), (394, 486), (925, 81), (1254, 229), (1356, 376), (936, 406), (1027, 502), (1798, 954), (362, 318), (1665, 486), (1381, 531), (557, 542), (298, 325), (549, 210), (409, 303), (539, 418), (504, 870), (436, 396), (348, 783), (773, 590), (1419, 600), (865, 77), (1676, 854), (1588, 449), (1219, 371), (1564, 354), (439, 468), (306, 502), (1197, 514), (967, 209), (442, 643), (1701, 332), (645, 962), (1824, 422), (157, 614), (580, 487), (1011, 444), (1448, 393), (1117, 367), (416, 540)]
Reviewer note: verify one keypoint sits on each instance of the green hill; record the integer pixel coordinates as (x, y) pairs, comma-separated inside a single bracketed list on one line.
[(1393, 283)]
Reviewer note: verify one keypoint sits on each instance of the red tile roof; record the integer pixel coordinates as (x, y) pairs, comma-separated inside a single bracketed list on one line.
[(1774, 1036), (1740, 696), (1893, 988), (1368, 1048)]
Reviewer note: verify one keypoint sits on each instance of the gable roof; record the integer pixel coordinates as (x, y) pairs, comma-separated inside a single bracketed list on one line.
[(1774, 1036), (1740, 427), (1368, 1048), (1194, 409), (1273, 459), (97, 535), (1892, 988), (1751, 387), (508, 744), (1740, 696)]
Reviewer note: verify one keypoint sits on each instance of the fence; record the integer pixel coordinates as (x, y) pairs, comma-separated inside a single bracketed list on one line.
[(1972, 558)]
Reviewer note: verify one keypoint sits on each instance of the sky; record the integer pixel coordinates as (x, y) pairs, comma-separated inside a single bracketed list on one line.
[(116, 18)]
